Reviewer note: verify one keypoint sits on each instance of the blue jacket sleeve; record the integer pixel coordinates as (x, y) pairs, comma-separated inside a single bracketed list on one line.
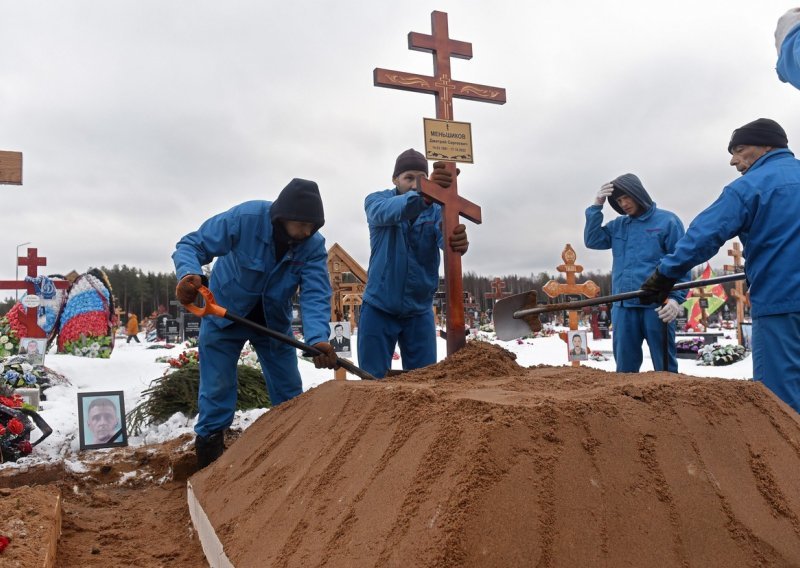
[(315, 296), (595, 236), (674, 234), (711, 229), (382, 210), (788, 67), (214, 238)]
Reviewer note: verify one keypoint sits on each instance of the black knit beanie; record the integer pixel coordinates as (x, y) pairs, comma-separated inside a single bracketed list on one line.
[(299, 201), (410, 160), (760, 132)]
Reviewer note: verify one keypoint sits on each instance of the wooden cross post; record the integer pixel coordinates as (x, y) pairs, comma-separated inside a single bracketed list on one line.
[(444, 88), (11, 168), (738, 288), (554, 288), (33, 261)]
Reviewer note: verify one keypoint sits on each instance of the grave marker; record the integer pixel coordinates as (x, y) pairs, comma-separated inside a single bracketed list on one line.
[(738, 292), (554, 288), (444, 89), (33, 261)]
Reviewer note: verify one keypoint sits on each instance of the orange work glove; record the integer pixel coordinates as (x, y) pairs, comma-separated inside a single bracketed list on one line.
[(458, 240), (186, 290), (327, 358)]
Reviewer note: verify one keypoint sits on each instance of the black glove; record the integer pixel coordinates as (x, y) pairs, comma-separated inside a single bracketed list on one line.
[(327, 358), (657, 287)]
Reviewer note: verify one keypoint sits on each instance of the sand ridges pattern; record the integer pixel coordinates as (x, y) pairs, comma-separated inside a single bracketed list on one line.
[(478, 462)]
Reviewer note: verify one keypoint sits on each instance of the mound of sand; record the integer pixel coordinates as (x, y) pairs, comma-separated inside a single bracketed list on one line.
[(478, 462)]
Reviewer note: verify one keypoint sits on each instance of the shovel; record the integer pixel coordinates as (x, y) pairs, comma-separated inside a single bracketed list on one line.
[(518, 315), (211, 308)]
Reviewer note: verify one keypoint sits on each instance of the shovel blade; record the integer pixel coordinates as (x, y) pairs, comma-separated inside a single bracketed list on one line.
[(505, 325)]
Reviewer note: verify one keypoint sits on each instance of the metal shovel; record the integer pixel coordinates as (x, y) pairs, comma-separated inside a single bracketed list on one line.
[(515, 317), (211, 308)]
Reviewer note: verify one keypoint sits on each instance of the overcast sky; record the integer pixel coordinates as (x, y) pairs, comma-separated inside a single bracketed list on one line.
[(140, 119)]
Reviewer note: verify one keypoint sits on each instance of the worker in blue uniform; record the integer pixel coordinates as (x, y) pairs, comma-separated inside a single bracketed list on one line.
[(762, 208), (638, 238), (265, 251)]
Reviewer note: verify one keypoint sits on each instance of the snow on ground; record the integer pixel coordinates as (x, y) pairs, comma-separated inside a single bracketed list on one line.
[(133, 366)]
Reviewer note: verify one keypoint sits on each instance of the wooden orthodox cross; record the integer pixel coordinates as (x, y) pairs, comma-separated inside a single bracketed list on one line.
[(497, 292), (348, 280), (444, 88), (33, 261), (554, 288), (11, 168), (738, 292), (701, 294)]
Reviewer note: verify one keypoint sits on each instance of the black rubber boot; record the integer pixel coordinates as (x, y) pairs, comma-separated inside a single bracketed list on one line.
[(209, 448)]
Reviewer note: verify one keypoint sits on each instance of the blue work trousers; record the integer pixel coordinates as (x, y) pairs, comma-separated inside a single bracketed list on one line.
[(379, 332), (219, 355), (776, 355), (631, 327)]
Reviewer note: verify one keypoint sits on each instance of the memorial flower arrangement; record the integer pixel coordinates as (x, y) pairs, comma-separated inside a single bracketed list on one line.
[(12, 328), (9, 343), (16, 372), (188, 357), (89, 346), (718, 355), (85, 324), (691, 345), (15, 429), (597, 356), (249, 358)]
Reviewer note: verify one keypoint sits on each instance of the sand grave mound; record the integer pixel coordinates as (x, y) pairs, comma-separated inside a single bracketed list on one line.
[(548, 466)]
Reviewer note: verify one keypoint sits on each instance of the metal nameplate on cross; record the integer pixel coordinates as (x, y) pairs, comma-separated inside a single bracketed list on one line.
[(445, 89), (11, 168)]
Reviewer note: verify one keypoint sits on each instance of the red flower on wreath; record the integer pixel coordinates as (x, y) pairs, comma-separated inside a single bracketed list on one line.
[(25, 447), (2, 430), (4, 540), (15, 427)]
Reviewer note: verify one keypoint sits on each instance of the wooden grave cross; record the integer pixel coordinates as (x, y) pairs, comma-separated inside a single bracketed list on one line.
[(738, 292), (33, 261), (10, 168), (701, 294), (554, 288), (444, 89), (497, 292)]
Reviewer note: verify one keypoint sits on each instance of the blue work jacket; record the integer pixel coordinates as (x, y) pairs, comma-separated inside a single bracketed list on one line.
[(637, 244), (405, 237), (762, 208), (246, 270)]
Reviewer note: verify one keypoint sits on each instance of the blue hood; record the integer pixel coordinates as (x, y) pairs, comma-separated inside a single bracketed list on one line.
[(630, 185)]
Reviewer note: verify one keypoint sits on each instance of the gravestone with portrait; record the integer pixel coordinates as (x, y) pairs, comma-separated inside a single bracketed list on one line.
[(190, 326), (161, 326), (172, 330)]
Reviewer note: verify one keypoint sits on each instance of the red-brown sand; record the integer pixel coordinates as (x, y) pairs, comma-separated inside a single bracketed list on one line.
[(479, 462)]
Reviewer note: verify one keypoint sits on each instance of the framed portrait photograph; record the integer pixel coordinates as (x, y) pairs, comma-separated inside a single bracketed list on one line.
[(33, 349), (577, 347), (101, 420), (747, 335), (340, 338)]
